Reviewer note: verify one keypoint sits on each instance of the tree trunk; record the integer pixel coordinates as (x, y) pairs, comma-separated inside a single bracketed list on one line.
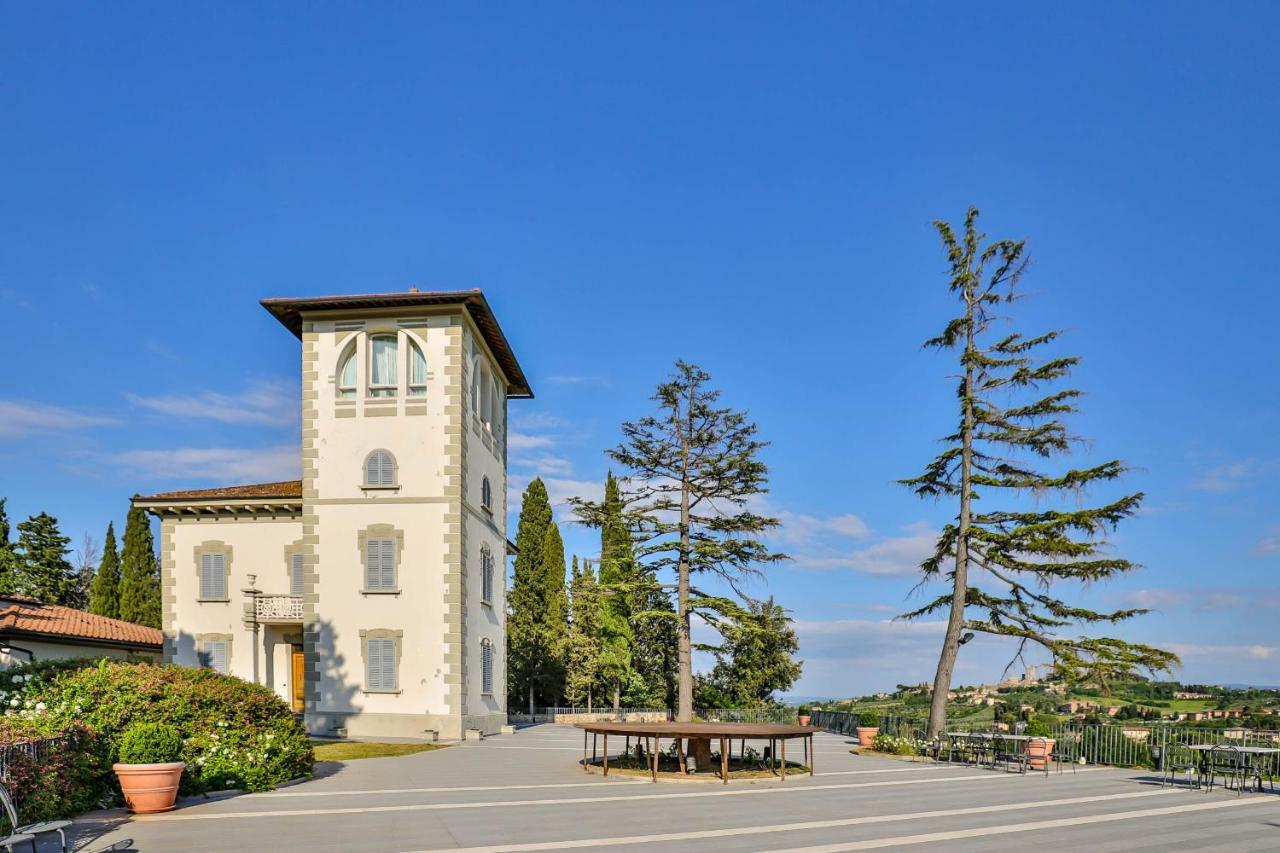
[(588, 700), (960, 584), (700, 749), (531, 706), (617, 695), (684, 663)]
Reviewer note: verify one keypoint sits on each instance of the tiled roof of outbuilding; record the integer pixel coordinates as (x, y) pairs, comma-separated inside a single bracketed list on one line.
[(28, 616), (285, 489)]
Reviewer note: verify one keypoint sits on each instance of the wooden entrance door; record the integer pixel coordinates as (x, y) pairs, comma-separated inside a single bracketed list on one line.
[(298, 681)]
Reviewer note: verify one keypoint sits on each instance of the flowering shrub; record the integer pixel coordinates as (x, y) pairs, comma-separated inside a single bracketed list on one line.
[(235, 734), (895, 745), (66, 777)]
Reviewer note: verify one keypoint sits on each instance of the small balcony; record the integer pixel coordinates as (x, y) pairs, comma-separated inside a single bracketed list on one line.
[(279, 609)]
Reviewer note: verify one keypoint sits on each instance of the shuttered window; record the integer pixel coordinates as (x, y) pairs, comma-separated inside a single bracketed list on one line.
[(379, 469), (380, 564), (486, 575), (213, 576), (486, 494), (380, 664), (486, 666), (295, 574), (215, 656)]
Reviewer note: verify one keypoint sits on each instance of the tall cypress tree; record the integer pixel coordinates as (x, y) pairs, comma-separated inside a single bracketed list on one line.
[(1001, 558), (43, 570), (582, 666), (104, 596), (553, 617), (139, 572), (617, 585), (8, 557), (524, 602)]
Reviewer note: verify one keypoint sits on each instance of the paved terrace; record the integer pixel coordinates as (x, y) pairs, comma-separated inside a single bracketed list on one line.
[(526, 792)]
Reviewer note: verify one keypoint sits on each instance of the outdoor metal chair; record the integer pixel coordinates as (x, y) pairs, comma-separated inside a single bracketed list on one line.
[(1174, 759), (30, 831), (1263, 768), (1010, 753), (1066, 751), (1228, 762)]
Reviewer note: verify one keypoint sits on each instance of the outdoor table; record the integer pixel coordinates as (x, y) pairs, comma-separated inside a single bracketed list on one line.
[(1253, 755), (725, 732)]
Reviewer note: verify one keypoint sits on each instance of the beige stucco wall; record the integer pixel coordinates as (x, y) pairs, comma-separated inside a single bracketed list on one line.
[(257, 546), (44, 650)]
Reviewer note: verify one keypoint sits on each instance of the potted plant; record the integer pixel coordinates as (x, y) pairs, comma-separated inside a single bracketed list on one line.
[(1040, 747), (868, 727), (804, 715), (149, 768)]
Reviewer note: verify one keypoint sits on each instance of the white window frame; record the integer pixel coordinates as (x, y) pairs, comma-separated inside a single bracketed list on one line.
[(416, 389), (486, 575), (209, 650), (384, 389), (486, 667), (384, 478), (378, 576), (350, 356)]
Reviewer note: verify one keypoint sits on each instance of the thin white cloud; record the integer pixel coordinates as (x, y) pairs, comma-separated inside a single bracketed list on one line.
[(517, 441), (1270, 543), (802, 529), (1224, 652), (220, 465), (895, 555), (1154, 599), (573, 379), (1234, 475), (264, 402), (537, 421), (18, 418)]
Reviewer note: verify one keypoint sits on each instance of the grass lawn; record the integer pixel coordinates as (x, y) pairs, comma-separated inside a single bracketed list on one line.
[(349, 750)]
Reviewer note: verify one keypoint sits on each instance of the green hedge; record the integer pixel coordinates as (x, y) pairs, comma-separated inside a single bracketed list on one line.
[(235, 734)]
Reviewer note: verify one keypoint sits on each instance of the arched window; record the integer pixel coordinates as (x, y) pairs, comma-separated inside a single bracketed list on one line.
[(379, 469), (496, 391), (486, 666), (417, 370), (486, 495), (486, 575), (486, 400), (382, 365), (347, 372), (475, 387)]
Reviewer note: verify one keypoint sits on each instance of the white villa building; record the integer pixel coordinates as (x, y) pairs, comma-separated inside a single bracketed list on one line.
[(369, 594)]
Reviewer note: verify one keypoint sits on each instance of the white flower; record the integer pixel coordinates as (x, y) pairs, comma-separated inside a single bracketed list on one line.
[(40, 706), (13, 703)]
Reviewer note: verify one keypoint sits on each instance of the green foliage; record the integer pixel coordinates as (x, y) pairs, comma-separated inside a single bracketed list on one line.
[(104, 595), (235, 734), (869, 719), (756, 659), (1000, 561), (139, 572), (617, 578), (582, 667), (8, 557), (42, 570), (537, 623), (1038, 727), (150, 743), (692, 470), (69, 777)]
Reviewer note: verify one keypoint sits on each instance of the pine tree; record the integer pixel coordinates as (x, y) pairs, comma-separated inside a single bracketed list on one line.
[(757, 658), (617, 577), (43, 570), (1022, 549), (139, 572), (692, 469), (8, 557), (582, 670), (104, 597), (524, 644)]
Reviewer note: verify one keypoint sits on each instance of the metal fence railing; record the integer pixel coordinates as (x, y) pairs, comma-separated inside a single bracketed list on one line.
[(748, 715), (1115, 744), (34, 749)]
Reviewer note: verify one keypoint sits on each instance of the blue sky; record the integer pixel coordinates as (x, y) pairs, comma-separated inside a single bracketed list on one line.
[(746, 186)]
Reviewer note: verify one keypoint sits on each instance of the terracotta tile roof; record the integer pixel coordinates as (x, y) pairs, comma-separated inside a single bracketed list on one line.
[(28, 616), (289, 311), (286, 489)]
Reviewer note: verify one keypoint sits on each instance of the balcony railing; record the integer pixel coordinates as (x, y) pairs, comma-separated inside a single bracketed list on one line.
[(279, 608)]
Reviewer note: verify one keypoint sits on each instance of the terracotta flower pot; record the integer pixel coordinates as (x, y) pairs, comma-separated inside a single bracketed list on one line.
[(804, 720), (1039, 750), (867, 734), (150, 788)]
